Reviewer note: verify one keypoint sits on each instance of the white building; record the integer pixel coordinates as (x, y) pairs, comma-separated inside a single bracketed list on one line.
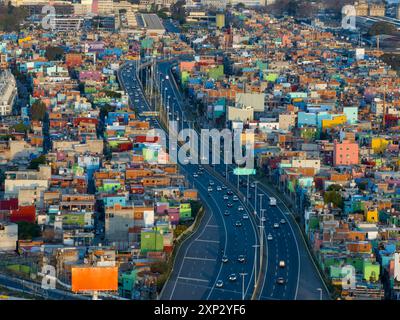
[(8, 236), (8, 92)]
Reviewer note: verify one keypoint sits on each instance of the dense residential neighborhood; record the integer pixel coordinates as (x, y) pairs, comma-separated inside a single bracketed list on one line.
[(95, 201)]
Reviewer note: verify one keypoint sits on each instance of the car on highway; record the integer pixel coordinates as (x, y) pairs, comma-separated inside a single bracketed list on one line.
[(245, 216), (263, 219), (195, 175), (226, 197), (276, 225), (229, 205), (219, 188), (219, 284), (282, 264), (229, 192), (240, 208), (224, 187), (235, 198), (283, 221), (269, 237), (280, 280), (211, 183), (238, 223), (225, 259), (232, 277), (209, 189), (227, 213), (252, 185), (242, 258)]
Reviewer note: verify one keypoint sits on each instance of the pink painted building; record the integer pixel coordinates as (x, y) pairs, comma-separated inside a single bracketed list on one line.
[(345, 153)]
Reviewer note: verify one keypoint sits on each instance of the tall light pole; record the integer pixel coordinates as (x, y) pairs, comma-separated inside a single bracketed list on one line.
[(247, 189), (243, 275), (261, 226), (261, 196), (255, 197), (255, 246), (320, 293)]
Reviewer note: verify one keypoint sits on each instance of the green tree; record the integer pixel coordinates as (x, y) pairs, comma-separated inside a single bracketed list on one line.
[(334, 187), (105, 109), (178, 11), (335, 198), (20, 127), (37, 161), (38, 110), (11, 17), (159, 267), (28, 231), (179, 230), (112, 94)]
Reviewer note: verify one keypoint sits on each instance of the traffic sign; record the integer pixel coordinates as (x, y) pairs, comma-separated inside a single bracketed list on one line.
[(243, 171)]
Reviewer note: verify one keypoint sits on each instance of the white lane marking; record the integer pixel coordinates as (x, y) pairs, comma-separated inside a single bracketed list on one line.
[(195, 258), (210, 241), (193, 279), (180, 269), (294, 236)]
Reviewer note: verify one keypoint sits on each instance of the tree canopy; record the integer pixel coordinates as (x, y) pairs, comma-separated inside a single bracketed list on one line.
[(38, 110), (28, 231), (11, 17), (37, 161), (178, 11), (54, 53)]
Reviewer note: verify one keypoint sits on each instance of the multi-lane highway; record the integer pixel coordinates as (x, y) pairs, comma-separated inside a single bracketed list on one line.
[(209, 264), (300, 276)]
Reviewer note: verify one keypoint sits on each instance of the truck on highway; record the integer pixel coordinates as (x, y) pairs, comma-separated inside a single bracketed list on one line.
[(272, 201)]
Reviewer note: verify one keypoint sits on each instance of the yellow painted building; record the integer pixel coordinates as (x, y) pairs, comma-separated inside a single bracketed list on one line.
[(372, 216), (336, 121), (379, 144)]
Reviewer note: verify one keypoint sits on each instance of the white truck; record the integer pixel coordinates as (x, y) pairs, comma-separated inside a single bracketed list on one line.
[(272, 201)]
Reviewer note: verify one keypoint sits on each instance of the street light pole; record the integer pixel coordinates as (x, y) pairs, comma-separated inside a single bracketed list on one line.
[(320, 293), (260, 195), (255, 246), (247, 189), (243, 275), (261, 234)]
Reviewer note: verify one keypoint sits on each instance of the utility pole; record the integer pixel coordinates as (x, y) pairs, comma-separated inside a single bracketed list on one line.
[(255, 197)]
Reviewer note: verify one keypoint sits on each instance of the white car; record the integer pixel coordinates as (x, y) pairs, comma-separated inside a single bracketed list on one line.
[(235, 198), (269, 237), (211, 183), (276, 225), (210, 189), (195, 175), (232, 277), (240, 208), (245, 216), (219, 284), (219, 188), (282, 264)]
